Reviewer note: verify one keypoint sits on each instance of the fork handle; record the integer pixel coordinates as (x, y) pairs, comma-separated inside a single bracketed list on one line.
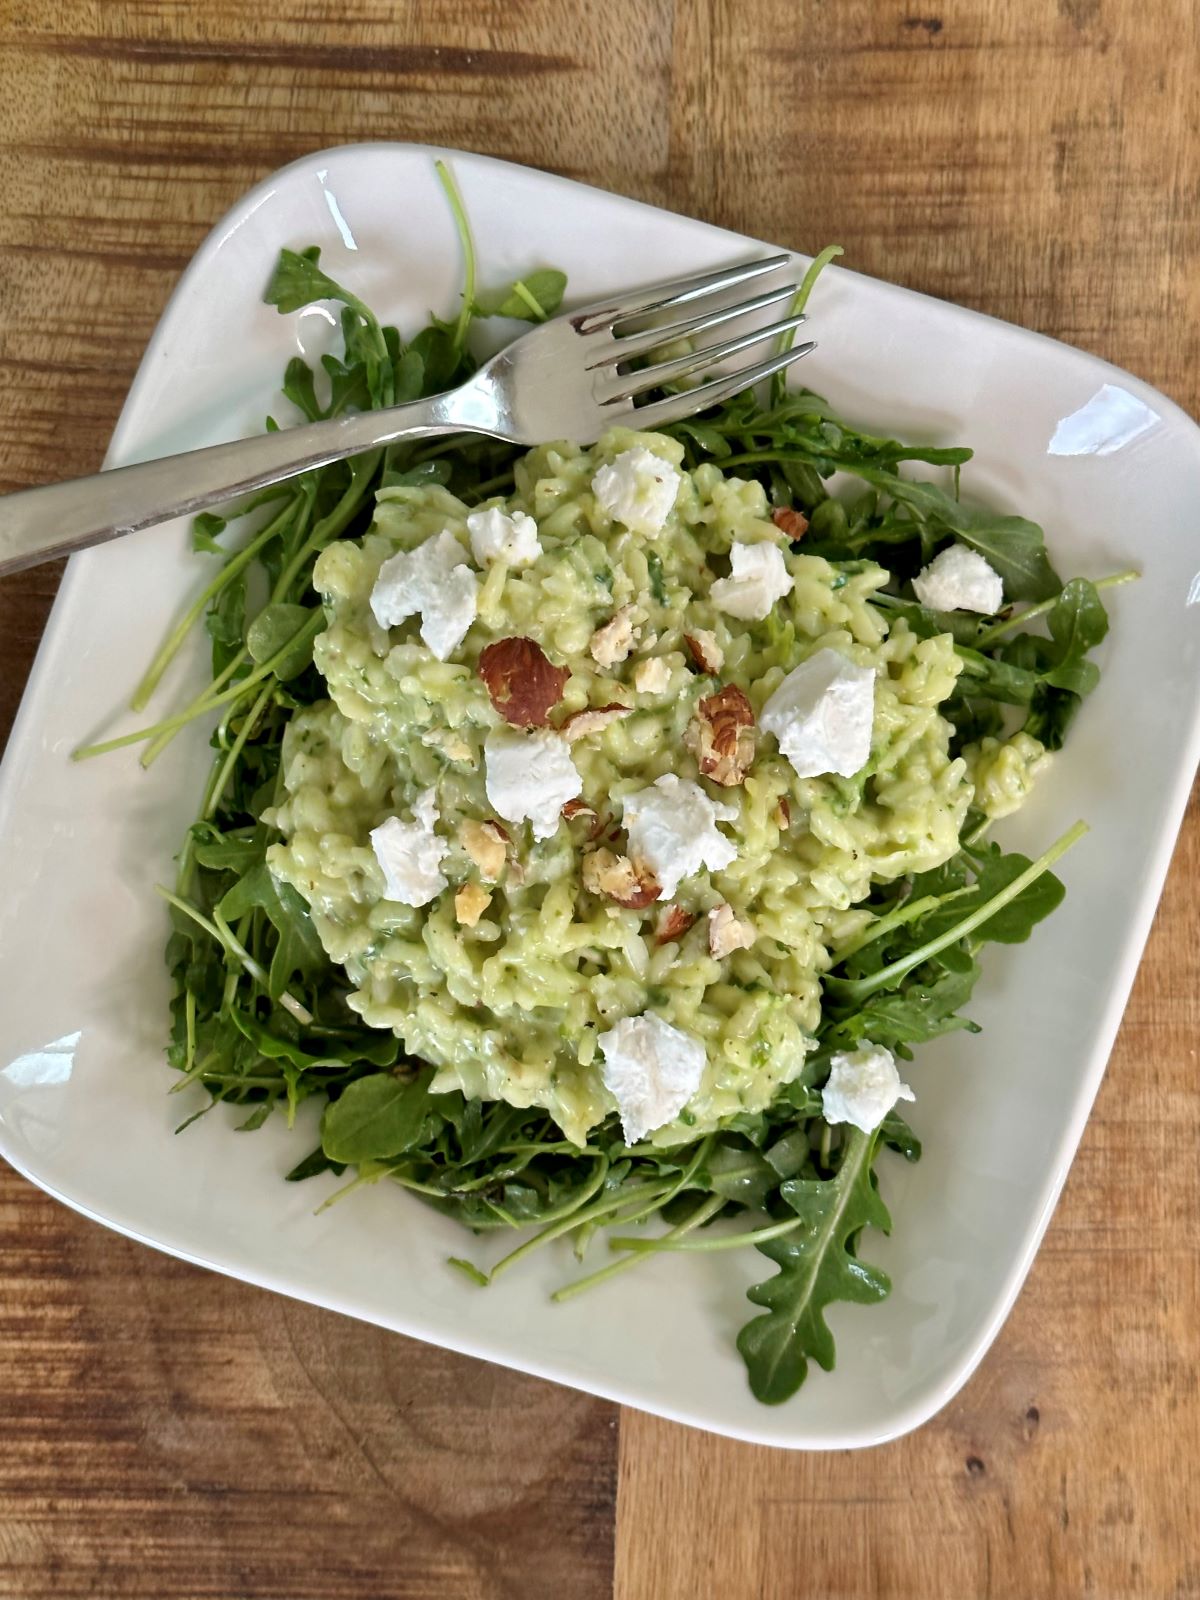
[(38, 524)]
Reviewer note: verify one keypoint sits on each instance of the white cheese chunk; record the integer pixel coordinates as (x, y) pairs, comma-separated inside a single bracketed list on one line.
[(410, 854), (434, 581), (959, 579), (638, 489), (672, 830), (863, 1087), (530, 776), (496, 536), (652, 1070), (821, 715), (758, 577)]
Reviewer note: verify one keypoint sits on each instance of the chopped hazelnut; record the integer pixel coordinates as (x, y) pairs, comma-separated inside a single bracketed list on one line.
[(721, 736), (613, 641), (487, 845), (726, 933), (470, 902), (673, 924), (617, 878), (706, 651), (523, 683), (793, 523), (592, 719), (651, 676)]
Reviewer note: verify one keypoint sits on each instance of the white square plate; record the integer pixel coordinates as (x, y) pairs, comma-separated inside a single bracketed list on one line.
[(1110, 467)]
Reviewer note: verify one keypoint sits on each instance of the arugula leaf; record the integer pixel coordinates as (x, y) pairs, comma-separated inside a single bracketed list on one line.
[(532, 298), (224, 852), (1051, 713), (298, 948), (312, 1165), (440, 358), (272, 630), (225, 622), (817, 1267), (1078, 622), (298, 281), (299, 386), (1013, 546), (739, 1173), (920, 1011), (205, 529), (898, 1136), (993, 678), (377, 1118), (1012, 923)]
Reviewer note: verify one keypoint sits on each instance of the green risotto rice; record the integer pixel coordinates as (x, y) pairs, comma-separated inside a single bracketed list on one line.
[(510, 1008)]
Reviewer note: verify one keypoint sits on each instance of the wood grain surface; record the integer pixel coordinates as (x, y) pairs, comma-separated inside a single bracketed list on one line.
[(169, 1434)]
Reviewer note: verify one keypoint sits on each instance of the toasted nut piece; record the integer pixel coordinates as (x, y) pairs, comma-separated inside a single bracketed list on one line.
[(523, 683), (721, 736), (793, 523), (783, 812), (651, 676), (726, 934), (706, 652), (673, 924), (452, 745), (617, 878), (613, 641), (470, 902), (486, 843), (591, 720), (580, 808)]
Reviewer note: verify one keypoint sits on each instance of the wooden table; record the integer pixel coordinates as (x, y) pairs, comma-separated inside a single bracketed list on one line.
[(168, 1434)]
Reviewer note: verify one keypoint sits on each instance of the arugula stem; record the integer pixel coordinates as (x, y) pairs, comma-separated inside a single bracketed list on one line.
[(908, 912), (172, 644), (156, 746), (785, 341), (725, 1241), (530, 299), (578, 1215), (199, 707), (468, 249), (703, 1213), (362, 471), (189, 1016), (225, 937), (1020, 618), (853, 990), (225, 773)]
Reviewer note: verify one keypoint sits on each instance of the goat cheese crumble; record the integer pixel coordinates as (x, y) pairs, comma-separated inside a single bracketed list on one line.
[(530, 776), (863, 1087), (410, 854), (821, 714), (959, 579), (433, 581), (672, 828), (652, 1070), (638, 489), (758, 577), (496, 536)]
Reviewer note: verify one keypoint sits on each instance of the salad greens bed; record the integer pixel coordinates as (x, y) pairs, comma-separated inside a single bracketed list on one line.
[(260, 1019)]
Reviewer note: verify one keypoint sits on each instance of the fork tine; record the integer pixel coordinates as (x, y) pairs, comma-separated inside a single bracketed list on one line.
[(677, 292), (624, 386), (677, 406), (630, 346)]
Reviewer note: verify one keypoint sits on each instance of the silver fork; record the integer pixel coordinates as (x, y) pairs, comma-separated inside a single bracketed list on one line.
[(563, 379)]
